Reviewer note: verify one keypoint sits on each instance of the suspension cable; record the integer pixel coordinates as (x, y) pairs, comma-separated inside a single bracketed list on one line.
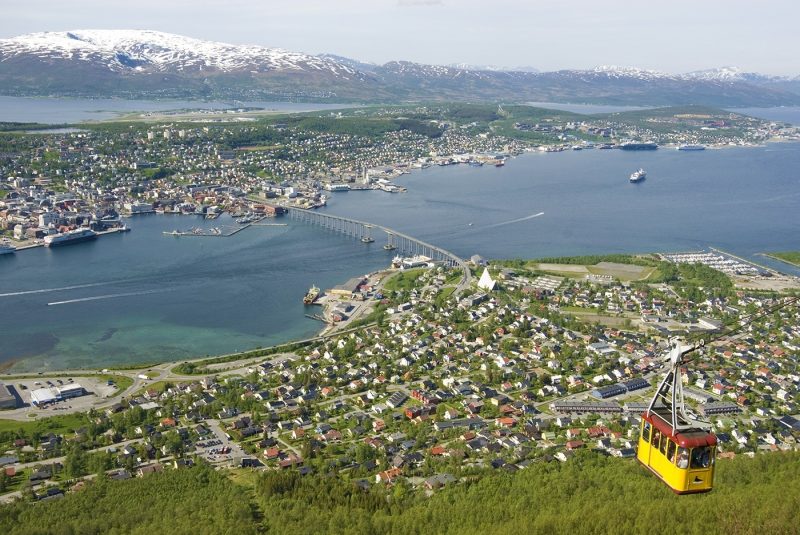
[(741, 325)]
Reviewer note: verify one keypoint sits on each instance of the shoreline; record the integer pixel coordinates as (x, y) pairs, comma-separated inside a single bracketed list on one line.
[(27, 246), (779, 259), (329, 330)]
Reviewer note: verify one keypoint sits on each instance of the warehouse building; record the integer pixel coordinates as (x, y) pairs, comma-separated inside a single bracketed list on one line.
[(7, 399), (45, 396)]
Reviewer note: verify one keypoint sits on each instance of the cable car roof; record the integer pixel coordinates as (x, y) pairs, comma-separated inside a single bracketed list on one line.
[(690, 438)]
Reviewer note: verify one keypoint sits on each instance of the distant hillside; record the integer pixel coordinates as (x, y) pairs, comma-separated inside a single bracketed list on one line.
[(148, 64), (588, 494)]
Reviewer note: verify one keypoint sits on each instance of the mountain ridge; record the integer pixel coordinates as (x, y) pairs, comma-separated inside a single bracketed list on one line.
[(147, 63)]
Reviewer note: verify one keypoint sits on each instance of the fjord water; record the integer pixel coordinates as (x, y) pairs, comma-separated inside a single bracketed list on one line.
[(744, 200), (143, 296), (157, 297)]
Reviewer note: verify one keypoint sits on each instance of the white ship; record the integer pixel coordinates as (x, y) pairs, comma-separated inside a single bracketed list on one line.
[(692, 147), (6, 248), (638, 176), (70, 237)]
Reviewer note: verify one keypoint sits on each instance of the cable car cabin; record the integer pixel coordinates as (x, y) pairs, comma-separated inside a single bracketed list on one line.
[(684, 460)]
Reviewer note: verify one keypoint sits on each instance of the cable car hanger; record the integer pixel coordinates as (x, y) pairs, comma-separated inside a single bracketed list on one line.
[(677, 447)]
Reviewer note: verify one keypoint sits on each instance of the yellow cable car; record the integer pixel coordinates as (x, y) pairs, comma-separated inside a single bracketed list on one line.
[(678, 449)]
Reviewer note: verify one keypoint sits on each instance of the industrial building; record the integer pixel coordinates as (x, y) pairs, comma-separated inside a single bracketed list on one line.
[(585, 407), (44, 396), (7, 399), (620, 388)]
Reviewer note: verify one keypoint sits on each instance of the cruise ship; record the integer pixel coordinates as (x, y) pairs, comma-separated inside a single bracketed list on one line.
[(70, 237), (692, 147), (6, 248), (638, 176)]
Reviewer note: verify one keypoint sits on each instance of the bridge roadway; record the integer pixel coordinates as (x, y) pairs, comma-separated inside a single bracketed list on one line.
[(403, 243)]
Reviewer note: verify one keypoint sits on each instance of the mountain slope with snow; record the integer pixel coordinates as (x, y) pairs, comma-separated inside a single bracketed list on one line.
[(139, 50), (146, 64)]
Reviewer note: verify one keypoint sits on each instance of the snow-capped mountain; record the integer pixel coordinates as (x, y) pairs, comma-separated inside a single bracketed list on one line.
[(629, 72), (493, 68), (144, 64), (143, 50)]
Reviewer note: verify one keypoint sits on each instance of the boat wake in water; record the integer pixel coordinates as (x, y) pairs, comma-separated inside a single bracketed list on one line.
[(46, 290), (109, 296), (511, 222)]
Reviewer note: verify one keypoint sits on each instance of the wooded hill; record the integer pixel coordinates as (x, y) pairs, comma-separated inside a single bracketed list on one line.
[(588, 494)]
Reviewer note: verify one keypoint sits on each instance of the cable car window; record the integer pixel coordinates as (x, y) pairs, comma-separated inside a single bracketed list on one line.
[(701, 457), (671, 451), (683, 458), (646, 430), (656, 437), (664, 441)]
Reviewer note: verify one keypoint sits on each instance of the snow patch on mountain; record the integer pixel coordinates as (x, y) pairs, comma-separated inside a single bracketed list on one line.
[(124, 50)]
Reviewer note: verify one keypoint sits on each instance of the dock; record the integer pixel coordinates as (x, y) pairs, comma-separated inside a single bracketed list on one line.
[(220, 232)]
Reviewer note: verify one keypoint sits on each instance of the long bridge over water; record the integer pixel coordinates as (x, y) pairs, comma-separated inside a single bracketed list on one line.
[(403, 243)]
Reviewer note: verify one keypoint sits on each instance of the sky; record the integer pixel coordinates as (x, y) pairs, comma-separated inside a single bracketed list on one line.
[(671, 36)]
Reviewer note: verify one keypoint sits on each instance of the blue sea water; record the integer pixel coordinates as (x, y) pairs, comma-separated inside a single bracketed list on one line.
[(144, 297)]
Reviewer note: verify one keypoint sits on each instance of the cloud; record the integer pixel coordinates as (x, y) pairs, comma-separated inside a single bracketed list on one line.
[(417, 3)]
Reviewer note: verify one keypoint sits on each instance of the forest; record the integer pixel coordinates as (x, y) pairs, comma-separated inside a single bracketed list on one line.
[(588, 494)]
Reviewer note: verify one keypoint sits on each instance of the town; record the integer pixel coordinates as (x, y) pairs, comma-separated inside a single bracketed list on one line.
[(85, 179), (535, 361)]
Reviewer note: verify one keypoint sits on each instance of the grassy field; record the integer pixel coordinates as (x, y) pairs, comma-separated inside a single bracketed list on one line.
[(622, 272), (158, 386), (403, 280), (790, 257), (61, 424), (446, 292), (122, 381)]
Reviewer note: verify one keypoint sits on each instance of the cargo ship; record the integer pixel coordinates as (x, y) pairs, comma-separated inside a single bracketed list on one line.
[(70, 237), (638, 176), (638, 146), (311, 296)]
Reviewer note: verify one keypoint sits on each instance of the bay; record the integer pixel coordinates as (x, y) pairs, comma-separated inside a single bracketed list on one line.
[(143, 296)]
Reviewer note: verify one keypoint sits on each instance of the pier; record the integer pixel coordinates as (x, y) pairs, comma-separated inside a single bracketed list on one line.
[(221, 232), (395, 240)]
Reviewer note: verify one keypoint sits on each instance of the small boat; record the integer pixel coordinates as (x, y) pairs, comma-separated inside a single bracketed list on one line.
[(311, 295), (367, 239), (389, 247)]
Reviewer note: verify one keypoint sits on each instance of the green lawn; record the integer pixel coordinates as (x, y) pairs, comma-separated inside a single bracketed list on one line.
[(791, 257), (122, 381), (63, 423), (404, 280)]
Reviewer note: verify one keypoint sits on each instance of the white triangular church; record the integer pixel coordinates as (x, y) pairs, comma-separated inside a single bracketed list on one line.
[(486, 282)]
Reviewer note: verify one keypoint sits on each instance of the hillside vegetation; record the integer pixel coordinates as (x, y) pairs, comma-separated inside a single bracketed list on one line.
[(589, 494)]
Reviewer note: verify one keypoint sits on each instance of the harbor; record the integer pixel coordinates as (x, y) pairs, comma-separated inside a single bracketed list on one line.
[(220, 232)]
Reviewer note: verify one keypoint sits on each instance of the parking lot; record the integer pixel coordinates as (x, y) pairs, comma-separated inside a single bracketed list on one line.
[(217, 448), (97, 390)]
